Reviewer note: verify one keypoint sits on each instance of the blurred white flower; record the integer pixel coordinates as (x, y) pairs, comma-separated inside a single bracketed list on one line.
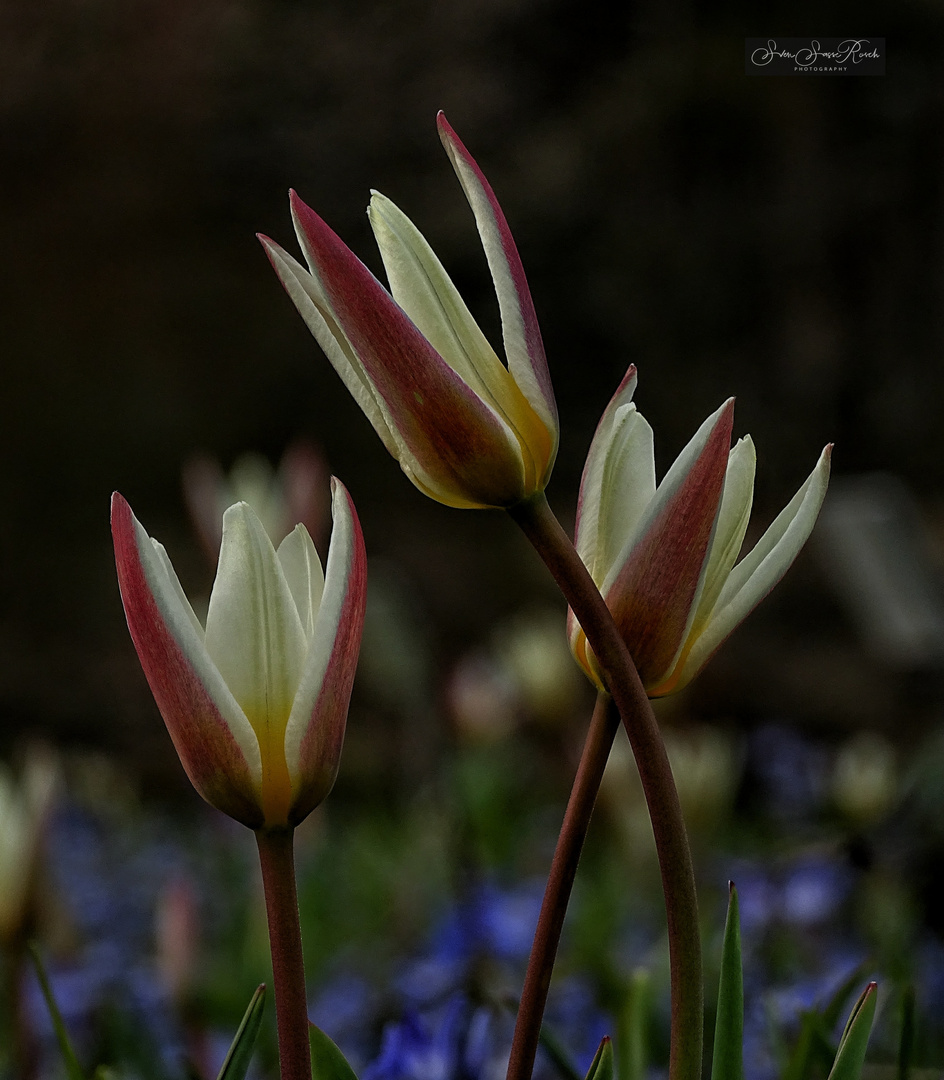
[(25, 803), (865, 778)]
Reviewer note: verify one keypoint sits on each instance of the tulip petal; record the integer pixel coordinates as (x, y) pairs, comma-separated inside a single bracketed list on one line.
[(255, 637), (303, 573), (654, 588), (629, 485), (524, 348), (315, 730), (760, 570), (599, 466), (421, 286), (733, 518), (308, 296), (449, 440), (213, 738)]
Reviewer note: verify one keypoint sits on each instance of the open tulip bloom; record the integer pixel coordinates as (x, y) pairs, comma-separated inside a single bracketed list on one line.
[(468, 430), (664, 556), (256, 703)]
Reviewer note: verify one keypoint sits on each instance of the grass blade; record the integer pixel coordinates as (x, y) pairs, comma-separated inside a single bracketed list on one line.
[(73, 1068), (727, 1061), (850, 1057), (239, 1054)]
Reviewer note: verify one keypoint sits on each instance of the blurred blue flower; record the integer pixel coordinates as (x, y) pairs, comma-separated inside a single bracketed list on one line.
[(813, 890), (106, 882), (446, 1016), (792, 772), (491, 921)]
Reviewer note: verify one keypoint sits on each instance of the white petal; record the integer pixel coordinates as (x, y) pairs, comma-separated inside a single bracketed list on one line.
[(423, 289), (341, 552), (730, 527), (302, 569), (758, 572), (628, 487), (586, 538), (308, 296), (312, 304), (253, 631), (421, 286), (520, 333), (185, 629)]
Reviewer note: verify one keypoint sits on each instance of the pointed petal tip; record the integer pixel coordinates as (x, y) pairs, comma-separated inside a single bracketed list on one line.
[(300, 208), (121, 514), (629, 380), (726, 414)]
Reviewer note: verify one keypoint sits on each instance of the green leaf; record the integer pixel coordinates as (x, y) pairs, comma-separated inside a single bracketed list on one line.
[(850, 1057), (239, 1054), (73, 1068), (601, 1068), (327, 1061), (727, 1062), (632, 1035)]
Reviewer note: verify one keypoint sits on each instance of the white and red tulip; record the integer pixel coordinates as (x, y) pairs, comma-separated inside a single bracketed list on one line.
[(664, 556), (468, 430), (256, 703)]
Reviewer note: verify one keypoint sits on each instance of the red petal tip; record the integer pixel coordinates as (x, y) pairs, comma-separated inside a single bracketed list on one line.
[(119, 506)]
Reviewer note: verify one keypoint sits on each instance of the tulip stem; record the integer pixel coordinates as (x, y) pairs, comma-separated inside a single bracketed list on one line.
[(277, 859), (544, 531), (603, 727)]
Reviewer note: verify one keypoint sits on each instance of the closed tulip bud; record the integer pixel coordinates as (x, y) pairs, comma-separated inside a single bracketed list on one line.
[(467, 429), (663, 556), (256, 703)]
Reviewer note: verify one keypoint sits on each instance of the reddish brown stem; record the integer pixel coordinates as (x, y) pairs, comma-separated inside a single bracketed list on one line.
[(603, 727), (276, 856), (675, 862)]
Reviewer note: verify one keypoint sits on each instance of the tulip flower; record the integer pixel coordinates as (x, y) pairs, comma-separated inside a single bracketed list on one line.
[(467, 429), (664, 556), (296, 491), (256, 703)]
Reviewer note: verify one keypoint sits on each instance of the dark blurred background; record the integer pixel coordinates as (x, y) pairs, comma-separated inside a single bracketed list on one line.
[(780, 239)]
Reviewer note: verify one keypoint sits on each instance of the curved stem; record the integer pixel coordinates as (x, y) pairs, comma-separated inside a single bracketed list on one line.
[(675, 862), (596, 750), (276, 856)]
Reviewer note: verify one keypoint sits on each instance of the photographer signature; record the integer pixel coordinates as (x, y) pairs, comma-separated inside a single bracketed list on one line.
[(853, 49)]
